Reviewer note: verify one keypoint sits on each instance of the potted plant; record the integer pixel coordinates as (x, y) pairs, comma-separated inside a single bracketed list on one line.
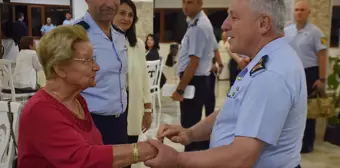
[(332, 134)]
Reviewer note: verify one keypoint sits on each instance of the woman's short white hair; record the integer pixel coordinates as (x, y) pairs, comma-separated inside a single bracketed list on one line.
[(274, 8)]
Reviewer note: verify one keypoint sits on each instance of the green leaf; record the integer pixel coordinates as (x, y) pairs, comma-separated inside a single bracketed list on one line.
[(332, 82)]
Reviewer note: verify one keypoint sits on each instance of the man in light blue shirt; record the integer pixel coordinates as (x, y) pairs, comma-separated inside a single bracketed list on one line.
[(311, 46), (47, 27), (262, 121), (107, 101), (68, 20), (194, 65)]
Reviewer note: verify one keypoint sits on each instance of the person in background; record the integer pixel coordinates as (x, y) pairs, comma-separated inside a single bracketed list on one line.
[(47, 27), (19, 29), (262, 121), (107, 101), (222, 48), (194, 65), (139, 111), (56, 128), (152, 47), (68, 20), (311, 45), (210, 101), (27, 67), (171, 59)]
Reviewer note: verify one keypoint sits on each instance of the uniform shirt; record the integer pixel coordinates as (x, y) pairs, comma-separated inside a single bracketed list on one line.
[(47, 28), (268, 102), (109, 96), (25, 72), (68, 22), (197, 41), (307, 43)]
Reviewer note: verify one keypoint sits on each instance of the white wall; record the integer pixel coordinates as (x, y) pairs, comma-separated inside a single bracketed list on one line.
[(49, 2), (80, 7), (178, 3), (336, 2)]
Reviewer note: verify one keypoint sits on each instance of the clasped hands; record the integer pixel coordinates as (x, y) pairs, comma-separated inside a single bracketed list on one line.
[(160, 155)]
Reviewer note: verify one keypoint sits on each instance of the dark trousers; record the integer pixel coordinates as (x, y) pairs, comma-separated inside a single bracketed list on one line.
[(233, 71), (210, 102), (191, 109), (312, 75), (113, 129)]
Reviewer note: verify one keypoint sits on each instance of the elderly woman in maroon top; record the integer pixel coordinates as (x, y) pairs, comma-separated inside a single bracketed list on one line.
[(56, 129)]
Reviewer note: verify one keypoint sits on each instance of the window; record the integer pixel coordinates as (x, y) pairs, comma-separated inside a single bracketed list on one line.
[(170, 24), (335, 28), (57, 14)]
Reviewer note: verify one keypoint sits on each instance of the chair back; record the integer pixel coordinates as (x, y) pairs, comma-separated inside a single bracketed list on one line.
[(6, 76), (154, 68), (7, 147)]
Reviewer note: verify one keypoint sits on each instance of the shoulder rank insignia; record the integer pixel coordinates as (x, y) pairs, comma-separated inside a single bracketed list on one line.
[(83, 24), (323, 40), (261, 65), (194, 23)]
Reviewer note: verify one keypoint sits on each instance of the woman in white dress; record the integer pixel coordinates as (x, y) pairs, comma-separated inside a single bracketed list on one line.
[(139, 97), (27, 66)]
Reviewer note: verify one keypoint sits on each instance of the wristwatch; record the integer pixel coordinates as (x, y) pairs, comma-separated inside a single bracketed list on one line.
[(180, 92)]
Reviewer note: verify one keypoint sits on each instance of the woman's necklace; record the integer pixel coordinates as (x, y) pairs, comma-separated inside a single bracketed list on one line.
[(77, 113)]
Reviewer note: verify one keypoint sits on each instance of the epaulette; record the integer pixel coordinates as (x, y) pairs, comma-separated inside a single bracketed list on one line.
[(118, 29), (83, 24), (194, 23), (261, 65)]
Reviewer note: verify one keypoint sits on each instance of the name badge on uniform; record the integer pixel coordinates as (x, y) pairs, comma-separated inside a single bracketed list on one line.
[(259, 67)]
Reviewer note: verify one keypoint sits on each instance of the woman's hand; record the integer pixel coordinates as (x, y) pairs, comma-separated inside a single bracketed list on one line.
[(147, 120), (146, 151)]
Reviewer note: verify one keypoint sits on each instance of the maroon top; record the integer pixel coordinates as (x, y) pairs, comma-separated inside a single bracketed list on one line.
[(51, 136)]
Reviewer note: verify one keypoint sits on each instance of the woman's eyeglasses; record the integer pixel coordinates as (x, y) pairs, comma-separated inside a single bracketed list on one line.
[(89, 60)]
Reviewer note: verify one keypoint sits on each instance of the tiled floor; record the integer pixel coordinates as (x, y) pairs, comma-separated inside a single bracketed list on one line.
[(324, 156)]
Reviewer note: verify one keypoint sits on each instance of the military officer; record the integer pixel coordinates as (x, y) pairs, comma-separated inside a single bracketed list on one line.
[(310, 44), (262, 121)]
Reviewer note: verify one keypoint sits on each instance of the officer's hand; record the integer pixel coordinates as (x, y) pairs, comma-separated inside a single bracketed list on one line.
[(177, 97), (319, 85), (175, 133), (243, 62)]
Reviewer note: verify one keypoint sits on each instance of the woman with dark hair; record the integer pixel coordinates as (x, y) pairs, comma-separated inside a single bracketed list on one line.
[(152, 47), (139, 97)]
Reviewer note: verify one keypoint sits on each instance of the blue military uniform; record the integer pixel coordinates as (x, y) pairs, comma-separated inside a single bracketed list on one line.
[(107, 101), (198, 41), (307, 43), (47, 28), (268, 102)]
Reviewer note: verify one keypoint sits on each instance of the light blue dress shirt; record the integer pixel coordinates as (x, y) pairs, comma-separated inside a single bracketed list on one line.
[(47, 28), (197, 41), (68, 22), (269, 102), (307, 43), (109, 96)]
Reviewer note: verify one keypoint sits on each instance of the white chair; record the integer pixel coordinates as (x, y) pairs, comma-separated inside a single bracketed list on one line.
[(7, 85), (7, 147), (154, 81)]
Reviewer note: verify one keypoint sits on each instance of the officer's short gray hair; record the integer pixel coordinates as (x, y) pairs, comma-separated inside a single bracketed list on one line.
[(274, 8)]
